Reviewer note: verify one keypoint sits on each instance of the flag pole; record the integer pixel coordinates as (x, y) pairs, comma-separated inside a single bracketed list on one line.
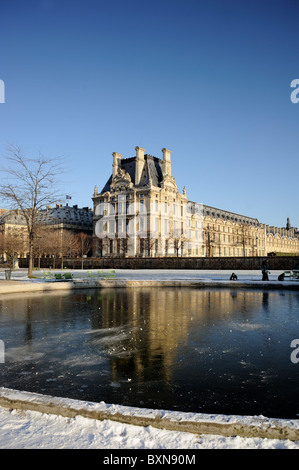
[(66, 198)]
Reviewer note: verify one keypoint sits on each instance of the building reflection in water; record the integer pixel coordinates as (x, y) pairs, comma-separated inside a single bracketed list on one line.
[(154, 338), (159, 321)]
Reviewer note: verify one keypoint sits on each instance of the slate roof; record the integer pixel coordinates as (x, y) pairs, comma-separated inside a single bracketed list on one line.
[(67, 215), (152, 172), (54, 215)]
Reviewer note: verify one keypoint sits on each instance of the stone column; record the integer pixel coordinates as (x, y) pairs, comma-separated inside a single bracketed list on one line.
[(139, 164), (116, 163), (167, 161)]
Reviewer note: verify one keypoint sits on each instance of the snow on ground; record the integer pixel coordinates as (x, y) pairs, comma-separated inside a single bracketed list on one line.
[(157, 274), (33, 430), (20, 429)]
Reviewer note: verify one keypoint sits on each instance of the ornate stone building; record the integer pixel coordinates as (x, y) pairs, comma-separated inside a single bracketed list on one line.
[(58, 219), (141, 212)]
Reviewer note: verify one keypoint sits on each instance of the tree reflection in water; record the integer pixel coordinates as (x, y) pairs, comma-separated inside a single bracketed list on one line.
[(192, 349)]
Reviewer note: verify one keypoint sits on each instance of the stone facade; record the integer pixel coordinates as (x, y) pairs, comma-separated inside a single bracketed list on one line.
[(61, 219), (141, 212), (67, 217)]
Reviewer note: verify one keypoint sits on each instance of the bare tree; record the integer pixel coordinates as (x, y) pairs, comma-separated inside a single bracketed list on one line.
[(84, 245), (53, 244), (242, 237), (42, 241), (29, 185), (69, 245), (150, 243), (209, 239), (179, 244), (11, 246)]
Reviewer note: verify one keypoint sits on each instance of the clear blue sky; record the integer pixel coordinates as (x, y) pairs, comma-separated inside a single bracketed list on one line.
[(208, 79)]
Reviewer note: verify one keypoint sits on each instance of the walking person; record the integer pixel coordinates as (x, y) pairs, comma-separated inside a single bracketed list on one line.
[(265, 270)]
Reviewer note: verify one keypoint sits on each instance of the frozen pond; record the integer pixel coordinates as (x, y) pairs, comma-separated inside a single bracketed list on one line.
[(204, 350)]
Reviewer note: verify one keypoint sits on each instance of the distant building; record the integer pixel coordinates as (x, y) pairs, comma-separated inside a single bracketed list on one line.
[(141, 212), (64, 217), (58, 219), (67, 218)]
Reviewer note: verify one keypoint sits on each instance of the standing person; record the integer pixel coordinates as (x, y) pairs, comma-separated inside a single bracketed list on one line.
[(265, 270)]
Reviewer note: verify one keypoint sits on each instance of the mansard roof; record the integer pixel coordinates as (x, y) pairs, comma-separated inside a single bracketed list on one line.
[(13, 217), (152, 172), (52, 215), (228, 215), (65, 214)]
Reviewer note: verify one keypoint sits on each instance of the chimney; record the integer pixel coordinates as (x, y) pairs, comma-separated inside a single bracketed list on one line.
[(116, 163), (139, 164), (167, 161)]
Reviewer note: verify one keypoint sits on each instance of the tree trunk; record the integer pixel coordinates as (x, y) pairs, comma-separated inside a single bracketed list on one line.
[(30, 266), (30, 270)]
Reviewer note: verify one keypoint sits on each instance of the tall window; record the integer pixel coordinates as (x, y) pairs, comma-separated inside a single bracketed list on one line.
[(156, 224), (165, 227), (101, 208)]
